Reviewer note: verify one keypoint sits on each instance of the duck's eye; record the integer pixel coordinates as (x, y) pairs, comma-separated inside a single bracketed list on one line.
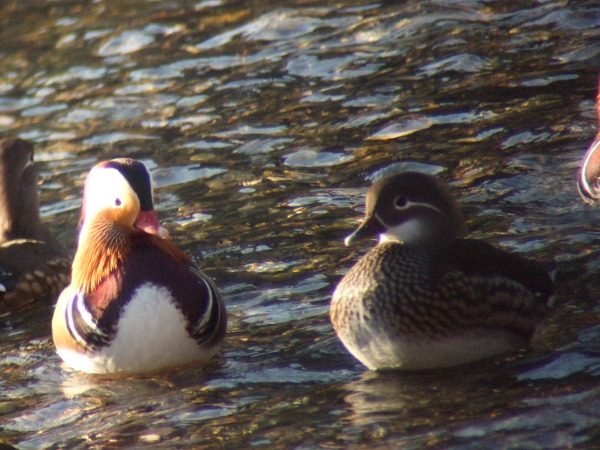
[(401, 202), (117, 202)]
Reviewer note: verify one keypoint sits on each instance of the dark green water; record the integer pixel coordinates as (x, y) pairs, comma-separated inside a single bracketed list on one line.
[(263, 123)]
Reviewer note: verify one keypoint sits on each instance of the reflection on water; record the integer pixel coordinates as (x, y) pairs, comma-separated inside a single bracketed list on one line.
[(263, 124)]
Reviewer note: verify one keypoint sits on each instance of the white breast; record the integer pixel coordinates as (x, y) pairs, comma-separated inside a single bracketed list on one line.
[(151, 335), (379, 350)]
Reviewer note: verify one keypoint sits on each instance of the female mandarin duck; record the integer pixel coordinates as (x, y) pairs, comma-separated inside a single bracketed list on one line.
[(136, 303), (33, 267), (589, 174), (425, 296)]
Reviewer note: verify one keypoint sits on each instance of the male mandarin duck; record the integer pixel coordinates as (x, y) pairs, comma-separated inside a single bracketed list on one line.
[(589, 174), (33, 267), (136, 303), (426, 297)]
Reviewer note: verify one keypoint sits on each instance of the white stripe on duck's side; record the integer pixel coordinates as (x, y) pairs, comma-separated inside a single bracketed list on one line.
[(201, 326), (588, 182), (78, 316), (588, 187)]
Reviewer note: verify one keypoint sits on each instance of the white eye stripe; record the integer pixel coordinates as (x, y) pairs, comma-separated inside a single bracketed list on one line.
[(410, 204), (408, 227)]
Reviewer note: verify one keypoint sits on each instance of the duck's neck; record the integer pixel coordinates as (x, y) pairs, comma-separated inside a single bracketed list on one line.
[(103, 246), (19, 216)]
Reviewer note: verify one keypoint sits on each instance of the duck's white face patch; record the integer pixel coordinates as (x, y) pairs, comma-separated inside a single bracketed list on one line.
[(107, 188), (406, 232)]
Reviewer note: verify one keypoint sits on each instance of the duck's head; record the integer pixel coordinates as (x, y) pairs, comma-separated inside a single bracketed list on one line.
[(118, 210), (410, 207), (120, 190), (19, 209)]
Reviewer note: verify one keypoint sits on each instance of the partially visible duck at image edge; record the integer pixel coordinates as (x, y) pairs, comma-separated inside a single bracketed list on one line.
[(589, 173), (33, 266)]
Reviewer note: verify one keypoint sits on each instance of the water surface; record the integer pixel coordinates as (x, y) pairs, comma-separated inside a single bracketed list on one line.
[(263, 124)]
